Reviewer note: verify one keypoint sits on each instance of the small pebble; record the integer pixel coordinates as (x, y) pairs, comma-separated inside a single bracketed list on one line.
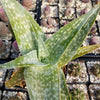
[(66, 1), (47, 10), (27, 3), (85, 1), (15, 46), (93, 40), (97, 1), (3, 29), (49, 21), (3, 15), (44, 23), (50, 1), (68, 11), (2, 46), (84, 11), (93, 30), (65, 23)]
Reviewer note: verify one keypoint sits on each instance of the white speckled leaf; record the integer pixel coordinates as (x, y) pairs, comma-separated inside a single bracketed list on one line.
[(64, 43), (27, 32), (24, 61), (64, 89), (25, 28), (42, 52), (84, 50), (44, 83)]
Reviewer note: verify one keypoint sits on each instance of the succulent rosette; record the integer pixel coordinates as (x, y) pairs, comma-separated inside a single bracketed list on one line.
[(42, 58)]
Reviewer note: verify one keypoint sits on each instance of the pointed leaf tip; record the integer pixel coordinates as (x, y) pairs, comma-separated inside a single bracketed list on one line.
[(64, 44), (84, 50), (25, 28)]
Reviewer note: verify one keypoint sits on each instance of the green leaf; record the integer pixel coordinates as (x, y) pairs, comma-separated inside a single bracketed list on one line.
[(63, 45), (27, 32), (84, 50), (16, 78), (25, 28), (46, 83), (23, 61), (42, 52), (64, 89)]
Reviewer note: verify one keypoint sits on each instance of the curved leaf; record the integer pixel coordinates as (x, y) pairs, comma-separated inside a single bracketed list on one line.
[(24, 61), (64, 43), (26, 31), (25, 28), (84, 50)]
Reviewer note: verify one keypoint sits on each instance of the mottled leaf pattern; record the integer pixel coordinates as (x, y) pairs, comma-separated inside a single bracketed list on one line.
[(17, 77), (65, 95), (64, 43), (84, 50), (25, 28), (26, 31), (46, 83), (23, 61), (42, 52)]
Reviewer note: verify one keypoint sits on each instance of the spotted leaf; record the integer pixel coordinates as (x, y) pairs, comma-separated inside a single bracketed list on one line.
[(23, 61), (64, 44), (46, 83), (25, 28)]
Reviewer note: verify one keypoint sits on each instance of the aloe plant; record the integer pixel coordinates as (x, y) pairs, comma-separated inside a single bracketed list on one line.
[(42, 58)]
